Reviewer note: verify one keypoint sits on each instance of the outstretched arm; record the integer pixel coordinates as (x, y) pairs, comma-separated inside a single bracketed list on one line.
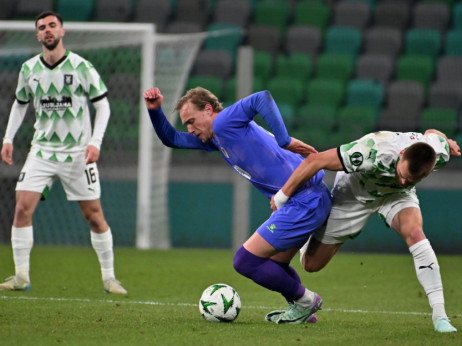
[(305, 171), (454, 149)]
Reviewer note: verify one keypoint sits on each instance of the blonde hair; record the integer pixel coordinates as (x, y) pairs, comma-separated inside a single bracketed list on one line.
[(200, 97)]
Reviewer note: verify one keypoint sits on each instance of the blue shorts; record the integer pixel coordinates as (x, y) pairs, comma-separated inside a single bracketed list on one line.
[(291, 226)]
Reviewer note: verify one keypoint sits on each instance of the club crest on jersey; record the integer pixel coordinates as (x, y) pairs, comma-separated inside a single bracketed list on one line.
[(68, 79), (356, 159)]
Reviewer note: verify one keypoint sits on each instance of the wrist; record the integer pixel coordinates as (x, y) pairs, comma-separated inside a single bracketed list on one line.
[(280, 199)]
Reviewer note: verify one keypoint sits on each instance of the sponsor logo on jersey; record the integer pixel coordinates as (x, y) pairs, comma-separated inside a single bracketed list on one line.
[(271, 228), (54, 104), (356, 159), (68, 79)]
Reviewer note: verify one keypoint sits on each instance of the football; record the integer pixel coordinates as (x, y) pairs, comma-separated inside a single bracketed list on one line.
[(220, 303)]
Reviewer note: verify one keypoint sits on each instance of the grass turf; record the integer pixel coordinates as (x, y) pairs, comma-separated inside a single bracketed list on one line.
[(368, 300)]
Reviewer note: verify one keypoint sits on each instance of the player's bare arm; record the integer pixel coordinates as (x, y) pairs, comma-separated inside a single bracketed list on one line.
[(153, 98), (305, 171), (7, 153), (299, 147)]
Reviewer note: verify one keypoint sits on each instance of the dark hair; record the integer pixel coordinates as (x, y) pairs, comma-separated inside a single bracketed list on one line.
[(46, 14), (200, 97), (421, 158)]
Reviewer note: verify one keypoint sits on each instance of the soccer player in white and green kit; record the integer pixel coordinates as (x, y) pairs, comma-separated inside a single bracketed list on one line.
[(59, 83), (378, 174)]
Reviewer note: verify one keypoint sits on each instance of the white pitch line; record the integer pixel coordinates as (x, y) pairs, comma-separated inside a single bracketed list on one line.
[(84, 300)]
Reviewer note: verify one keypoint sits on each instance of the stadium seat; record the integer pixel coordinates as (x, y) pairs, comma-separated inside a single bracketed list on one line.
[(453, 45), (383, 41), (355, 121), (233, 12), (354, 14), (72, 10), (335, 66), (287, 90), (212, 83), (321, 91), (404, 102), (303, 39), (272, 12), (262, 65), (446, 95), (180, 27), (343, 40), (431, 15), (423, 42), (457, 16), (229, 42), (113, 10), (153, 11), (313, 13), (217, 63), (365, 92), (265, 37), (376, 67), (445, 120), (193, 11), (288, 114), (392, 14), (314, 125), (296, 66), (132, 86), (417, 68), (230, 90), (449, 69)]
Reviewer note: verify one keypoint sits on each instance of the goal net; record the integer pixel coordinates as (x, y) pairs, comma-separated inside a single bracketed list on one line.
[(133, 164)]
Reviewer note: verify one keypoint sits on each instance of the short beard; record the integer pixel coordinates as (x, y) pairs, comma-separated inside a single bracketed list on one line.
[(52, 45)]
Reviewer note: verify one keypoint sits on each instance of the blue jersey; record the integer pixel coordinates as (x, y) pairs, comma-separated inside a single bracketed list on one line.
[(249, 149)]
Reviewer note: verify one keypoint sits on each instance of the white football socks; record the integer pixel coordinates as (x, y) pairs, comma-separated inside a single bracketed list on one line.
[(428, 273), (22, 240), (307, 298), (102, 243)]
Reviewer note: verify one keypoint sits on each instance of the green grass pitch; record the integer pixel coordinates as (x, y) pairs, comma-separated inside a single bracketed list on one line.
[(368, 300)]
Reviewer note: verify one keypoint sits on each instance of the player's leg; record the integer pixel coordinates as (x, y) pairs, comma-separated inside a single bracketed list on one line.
[(408, 224), (81, 183), (35, 180), (315, 255)]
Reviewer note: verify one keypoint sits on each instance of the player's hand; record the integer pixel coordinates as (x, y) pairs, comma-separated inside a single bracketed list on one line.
[(153, 98), (299, 147), (7, 153), (278, 200), (454, 148), (91, 154)]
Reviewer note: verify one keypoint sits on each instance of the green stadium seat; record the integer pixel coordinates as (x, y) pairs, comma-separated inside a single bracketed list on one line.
[(457, 16), (211, 83), (295, 65), (343, 40), (229, 42), (288, 114), (417, 68), (287, 90), (453, 45), (421, 41), (313, 13), (355, 121), (230, 93), (365, 92), (321, 91), (335, 66), (262, 65), (444, 120), (72, 10), (272, 12)]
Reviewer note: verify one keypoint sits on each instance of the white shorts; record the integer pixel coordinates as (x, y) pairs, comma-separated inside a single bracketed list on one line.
[(348, 216), (79, 180)]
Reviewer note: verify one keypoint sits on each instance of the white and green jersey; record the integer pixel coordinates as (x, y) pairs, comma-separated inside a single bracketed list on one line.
[(372, 159), (60, 95)]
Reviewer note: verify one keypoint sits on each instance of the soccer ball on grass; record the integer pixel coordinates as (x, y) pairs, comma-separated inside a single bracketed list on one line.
[(220, 303)]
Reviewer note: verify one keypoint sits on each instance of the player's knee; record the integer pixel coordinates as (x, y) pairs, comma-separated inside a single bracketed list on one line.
[(23, 212), (413, 235), (241, 263)]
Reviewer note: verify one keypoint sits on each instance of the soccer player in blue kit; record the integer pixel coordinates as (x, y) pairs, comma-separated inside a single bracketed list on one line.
[(266, 160)]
